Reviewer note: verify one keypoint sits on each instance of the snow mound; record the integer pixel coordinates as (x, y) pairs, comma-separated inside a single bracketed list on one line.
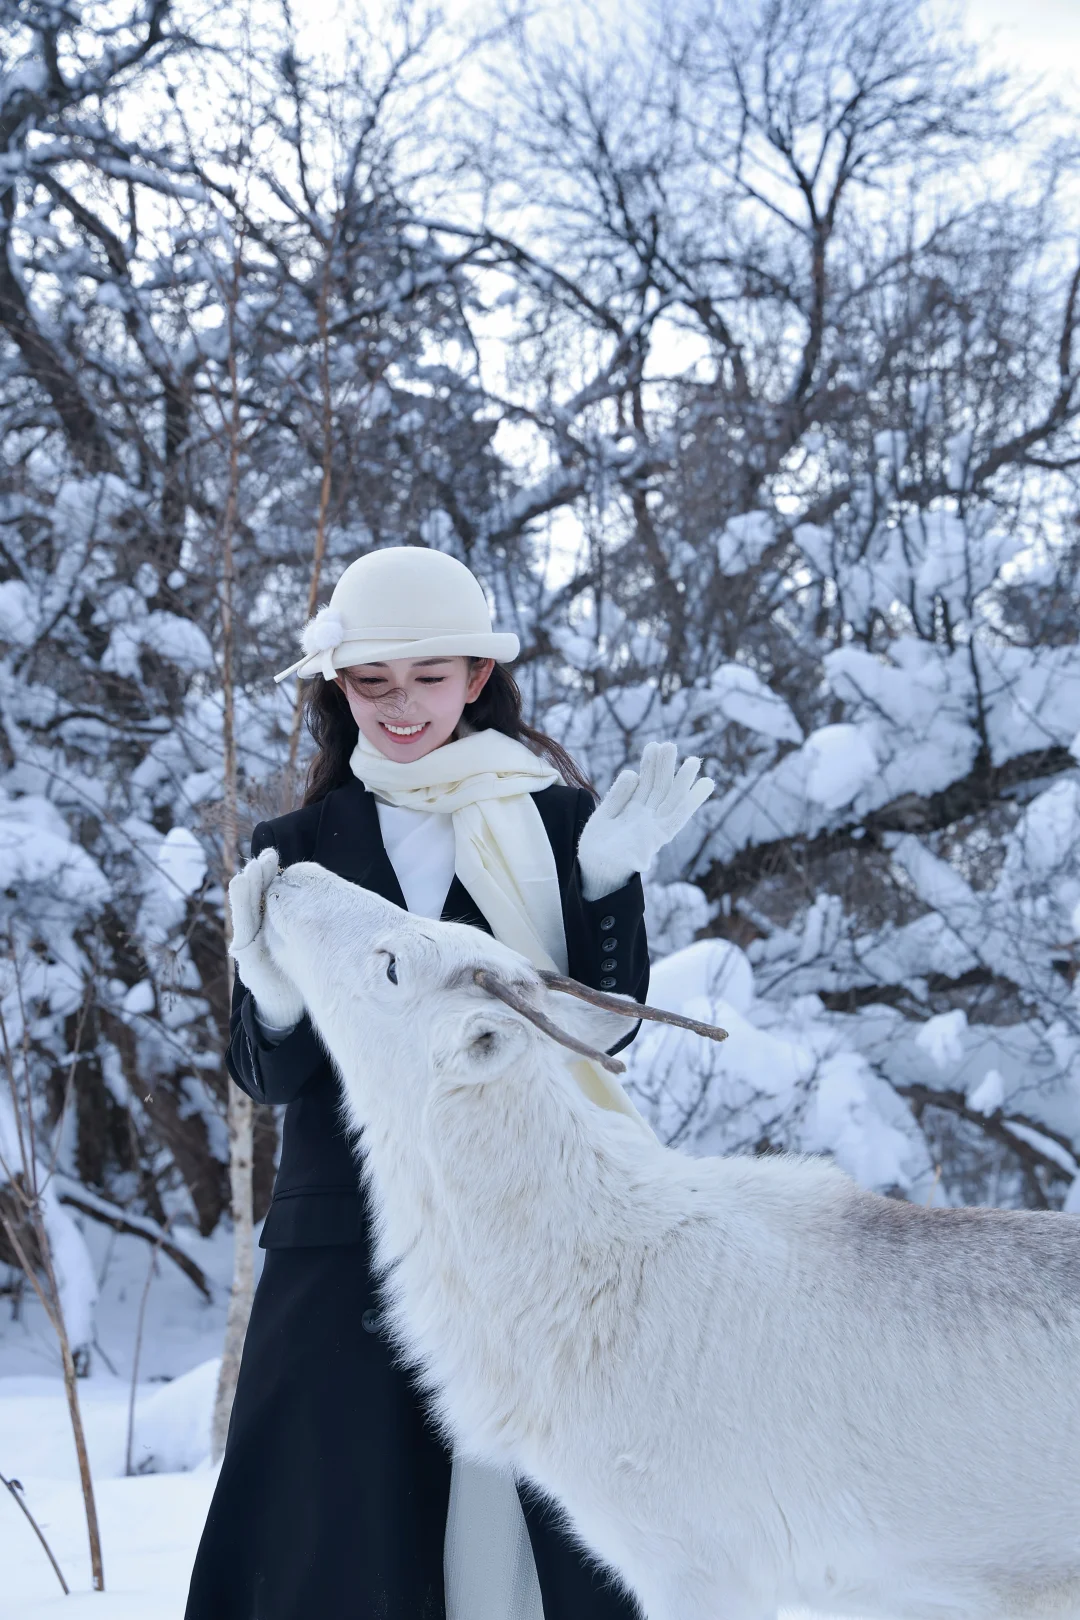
[(182, 860), (744, 540), (172, 1426), (842, 760), (989, 1095), (744, 697), (710, 970), (943, 1039), (674, 913)]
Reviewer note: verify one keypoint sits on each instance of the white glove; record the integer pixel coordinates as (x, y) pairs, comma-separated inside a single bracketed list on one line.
[(640, 813), (277, 1000)]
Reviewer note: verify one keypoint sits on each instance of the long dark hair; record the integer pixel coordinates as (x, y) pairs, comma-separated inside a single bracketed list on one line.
[(498, 708)]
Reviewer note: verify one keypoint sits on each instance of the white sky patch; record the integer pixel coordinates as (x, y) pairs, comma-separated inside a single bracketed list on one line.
[(1039, 39)]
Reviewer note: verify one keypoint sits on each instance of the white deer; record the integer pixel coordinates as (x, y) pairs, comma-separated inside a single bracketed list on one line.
[(749, 1383)]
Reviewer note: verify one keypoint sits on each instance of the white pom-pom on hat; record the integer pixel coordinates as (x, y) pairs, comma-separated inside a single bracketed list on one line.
[(401, 602), (323, 632), (322, 635)]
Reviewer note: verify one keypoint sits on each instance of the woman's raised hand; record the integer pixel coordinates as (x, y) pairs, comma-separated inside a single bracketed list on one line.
[(640, 813), (277, 999)]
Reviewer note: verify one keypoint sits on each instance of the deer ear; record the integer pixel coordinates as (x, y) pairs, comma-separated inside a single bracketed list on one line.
[(596, 1026), (486, 1045)]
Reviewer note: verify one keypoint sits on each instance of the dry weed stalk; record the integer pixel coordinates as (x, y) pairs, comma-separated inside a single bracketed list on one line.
[(15, 1487), (29, 1240)]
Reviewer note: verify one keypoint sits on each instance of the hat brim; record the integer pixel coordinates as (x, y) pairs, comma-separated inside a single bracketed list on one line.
[(503, 646)]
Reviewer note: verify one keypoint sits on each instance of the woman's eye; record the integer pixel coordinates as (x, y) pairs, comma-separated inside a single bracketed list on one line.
[(432, 680), (391, 970)]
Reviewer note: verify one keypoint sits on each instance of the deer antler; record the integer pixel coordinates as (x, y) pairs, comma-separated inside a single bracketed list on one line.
[(504, 992), (631, 1009)]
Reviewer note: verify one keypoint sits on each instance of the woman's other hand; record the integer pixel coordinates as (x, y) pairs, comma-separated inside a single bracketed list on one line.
[(277, 1000), (640, 813)]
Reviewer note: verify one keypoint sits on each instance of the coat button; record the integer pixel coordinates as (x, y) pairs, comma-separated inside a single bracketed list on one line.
[(607, 984), (609, 966), (608, 944), (606, 923), (369, 1321)]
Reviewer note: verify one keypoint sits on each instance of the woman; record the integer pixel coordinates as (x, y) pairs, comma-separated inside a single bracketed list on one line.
[(336, 1499)]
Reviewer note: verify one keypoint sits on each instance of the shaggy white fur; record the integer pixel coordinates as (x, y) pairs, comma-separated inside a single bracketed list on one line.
[(750, 1384)]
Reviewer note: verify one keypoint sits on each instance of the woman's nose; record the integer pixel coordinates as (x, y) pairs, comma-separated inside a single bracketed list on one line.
[(392, 704)]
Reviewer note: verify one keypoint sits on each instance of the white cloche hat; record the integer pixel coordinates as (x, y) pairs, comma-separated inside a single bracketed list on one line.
[(400, 602)]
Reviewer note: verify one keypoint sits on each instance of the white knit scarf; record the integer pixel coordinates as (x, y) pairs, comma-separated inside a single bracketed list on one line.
[(485, 782)]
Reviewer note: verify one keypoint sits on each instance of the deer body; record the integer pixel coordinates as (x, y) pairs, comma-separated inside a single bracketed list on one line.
[(749, 1383)]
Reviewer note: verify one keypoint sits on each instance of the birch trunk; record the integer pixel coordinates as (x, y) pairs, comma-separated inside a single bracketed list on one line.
[(243, 1278), (239, 1105), (326, 422)]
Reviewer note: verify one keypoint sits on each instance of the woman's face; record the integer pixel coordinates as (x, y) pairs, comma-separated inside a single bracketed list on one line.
[(409, 706)]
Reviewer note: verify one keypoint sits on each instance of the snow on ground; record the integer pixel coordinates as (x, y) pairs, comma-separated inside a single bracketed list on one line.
[(151, 1522), (150, 1528)]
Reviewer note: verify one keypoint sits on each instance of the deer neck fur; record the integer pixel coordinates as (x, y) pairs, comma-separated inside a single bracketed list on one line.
[(519, 1200)]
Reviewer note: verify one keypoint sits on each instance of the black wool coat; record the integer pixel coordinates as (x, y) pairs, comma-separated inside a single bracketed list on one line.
[(334, 1487)]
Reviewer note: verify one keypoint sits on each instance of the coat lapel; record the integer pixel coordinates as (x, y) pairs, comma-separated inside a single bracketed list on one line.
[(349, 842)]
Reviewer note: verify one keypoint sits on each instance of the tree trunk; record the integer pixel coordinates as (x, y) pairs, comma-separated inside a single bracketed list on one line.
[(243, 1279), (240, 1110), (326, 423)]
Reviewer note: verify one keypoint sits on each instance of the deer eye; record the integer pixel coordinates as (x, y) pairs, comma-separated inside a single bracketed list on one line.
[(391, 970)]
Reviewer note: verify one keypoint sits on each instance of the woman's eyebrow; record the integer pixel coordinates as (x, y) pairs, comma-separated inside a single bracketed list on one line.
[(378, 663)]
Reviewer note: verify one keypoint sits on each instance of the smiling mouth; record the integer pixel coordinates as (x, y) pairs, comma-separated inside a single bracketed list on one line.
[(404, 733)]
